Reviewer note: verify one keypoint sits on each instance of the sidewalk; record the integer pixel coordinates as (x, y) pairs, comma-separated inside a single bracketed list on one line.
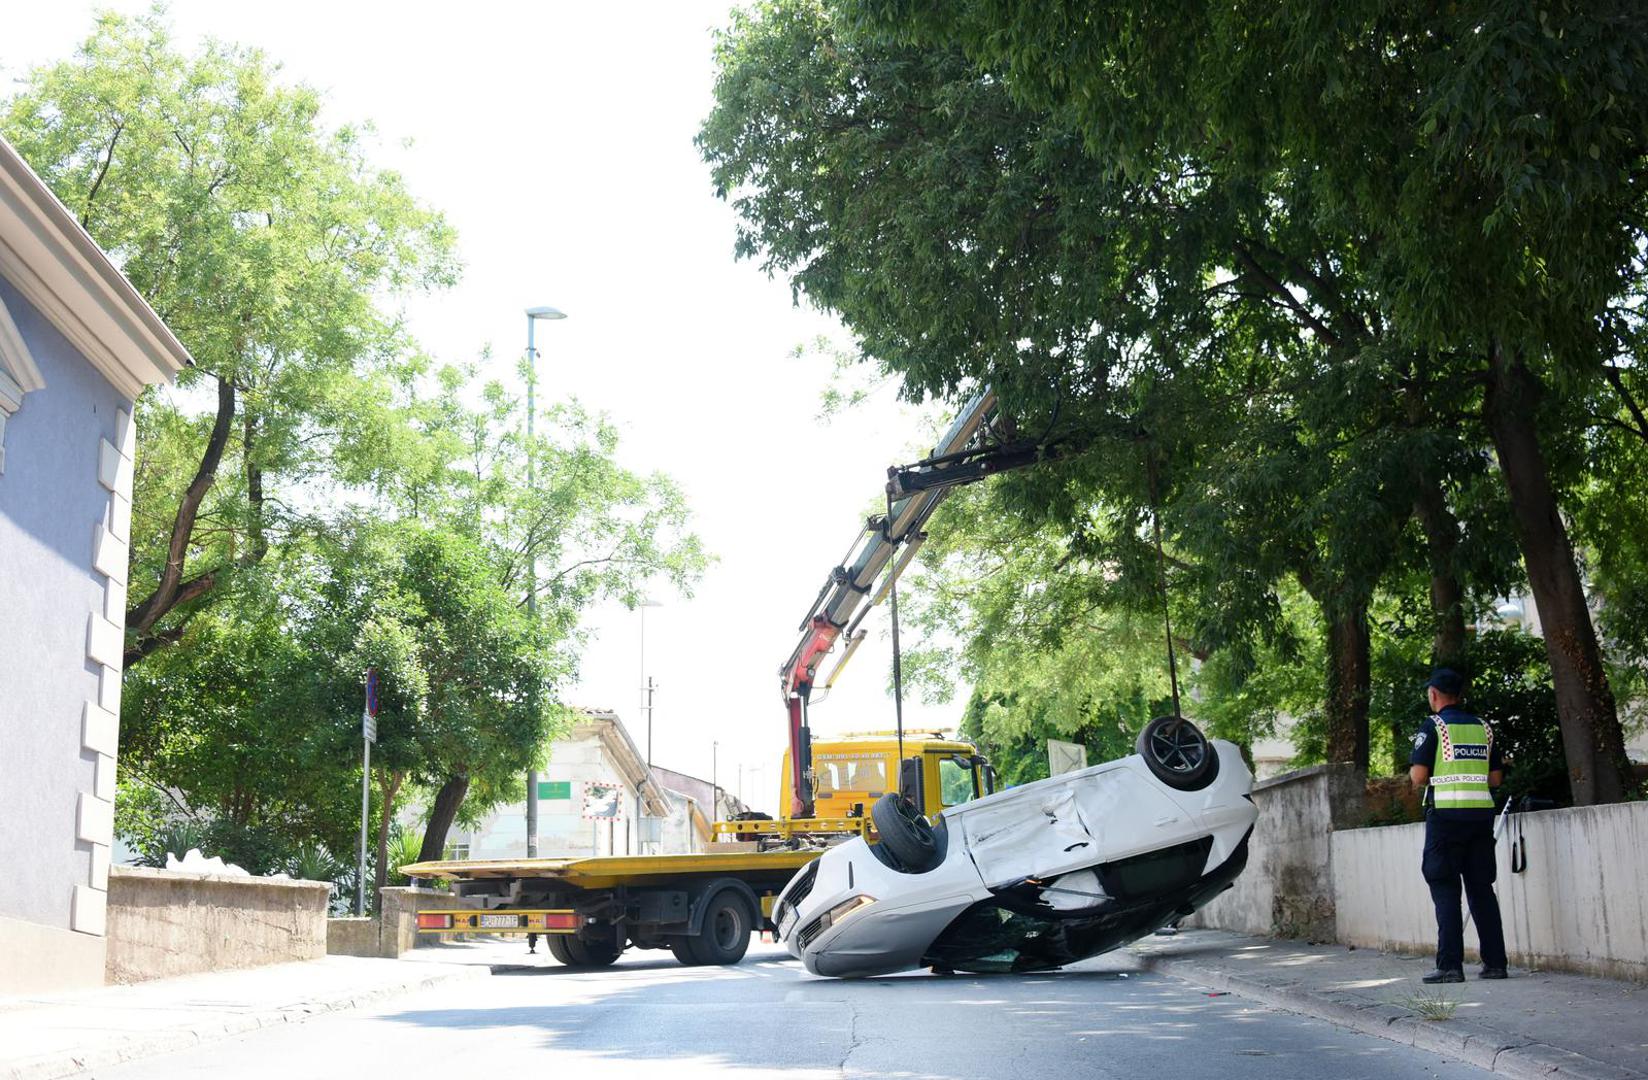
[(1534, 1024), (59, 1035)]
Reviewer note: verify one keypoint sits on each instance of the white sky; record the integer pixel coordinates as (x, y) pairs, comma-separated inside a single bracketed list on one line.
[(557, 138)]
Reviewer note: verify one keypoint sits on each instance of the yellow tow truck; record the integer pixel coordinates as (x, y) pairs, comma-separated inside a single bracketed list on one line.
[(703, 907)]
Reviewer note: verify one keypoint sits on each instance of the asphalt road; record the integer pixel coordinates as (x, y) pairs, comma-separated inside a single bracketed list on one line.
[(648, 1016)]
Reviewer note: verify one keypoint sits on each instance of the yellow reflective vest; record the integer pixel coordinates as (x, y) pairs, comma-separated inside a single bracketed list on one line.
[(1463, 753)]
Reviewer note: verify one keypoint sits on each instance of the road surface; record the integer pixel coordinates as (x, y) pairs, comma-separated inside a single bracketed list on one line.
[(648, 1016)]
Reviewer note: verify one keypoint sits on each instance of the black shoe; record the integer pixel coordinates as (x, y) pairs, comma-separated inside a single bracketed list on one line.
[(1451, 975), (1494, 973)]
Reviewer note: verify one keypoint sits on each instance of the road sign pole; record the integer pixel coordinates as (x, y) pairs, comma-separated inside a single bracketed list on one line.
[(369, 735), (365, 813)]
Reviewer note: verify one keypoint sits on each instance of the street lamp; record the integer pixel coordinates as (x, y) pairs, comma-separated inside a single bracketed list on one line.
[(533, 314), (646, 688)]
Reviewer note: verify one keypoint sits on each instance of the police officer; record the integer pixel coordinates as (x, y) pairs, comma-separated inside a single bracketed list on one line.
[(1455, 756)]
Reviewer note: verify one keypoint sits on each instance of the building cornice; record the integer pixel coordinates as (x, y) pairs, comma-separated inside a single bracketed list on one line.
[(60, 269), (625, 755)]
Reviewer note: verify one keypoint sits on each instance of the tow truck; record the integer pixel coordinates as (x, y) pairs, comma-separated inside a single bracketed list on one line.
[(704, 907)]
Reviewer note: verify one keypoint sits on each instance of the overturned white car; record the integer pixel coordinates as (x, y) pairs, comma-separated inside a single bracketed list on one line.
[(1033, 877)]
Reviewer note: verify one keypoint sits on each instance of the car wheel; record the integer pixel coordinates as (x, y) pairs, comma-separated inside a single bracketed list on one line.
[(1177, 753), (906, 834), (682, 948), (582, 954), (725, 937)]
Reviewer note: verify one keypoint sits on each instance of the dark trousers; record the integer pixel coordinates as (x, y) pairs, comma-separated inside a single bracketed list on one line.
[(1463, 851)]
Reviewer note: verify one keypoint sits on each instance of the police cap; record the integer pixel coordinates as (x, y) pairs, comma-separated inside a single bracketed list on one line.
[(1446, 681)]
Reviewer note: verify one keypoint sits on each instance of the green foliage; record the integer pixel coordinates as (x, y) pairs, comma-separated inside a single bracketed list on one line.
[(404, 846), (313, 862), (269, 242), (176, 839), (262, 588), (1254, 266), (1510, 686)]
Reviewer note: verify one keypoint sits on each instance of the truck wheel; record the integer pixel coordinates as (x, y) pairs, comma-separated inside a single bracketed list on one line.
[(582, 954), (725, 937), (558, 948), (905, 833), (1177, 753)]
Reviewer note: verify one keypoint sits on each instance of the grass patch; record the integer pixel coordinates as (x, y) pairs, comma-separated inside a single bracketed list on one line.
[(1430, 1002)]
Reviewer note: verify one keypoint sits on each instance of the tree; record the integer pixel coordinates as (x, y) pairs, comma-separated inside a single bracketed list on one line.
[(265, 240), (1484, 158), (591, 529), (966, 238), (1098, 209)]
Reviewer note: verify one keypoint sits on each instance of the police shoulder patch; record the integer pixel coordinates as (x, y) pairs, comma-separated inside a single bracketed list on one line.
[(1418, 739)]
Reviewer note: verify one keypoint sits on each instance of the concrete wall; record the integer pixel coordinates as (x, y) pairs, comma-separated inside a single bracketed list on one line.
[(57, 785), (395, 929), (1287, 888), (163, 923), (1581, 905)]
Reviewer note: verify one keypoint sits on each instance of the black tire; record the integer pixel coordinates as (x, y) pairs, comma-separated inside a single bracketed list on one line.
[(682, 948), (582, 954), (906, 834), (725, 936), (558, 948), (1177, 753)]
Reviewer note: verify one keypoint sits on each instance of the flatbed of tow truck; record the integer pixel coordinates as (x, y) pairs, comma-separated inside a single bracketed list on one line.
[(607, 871)]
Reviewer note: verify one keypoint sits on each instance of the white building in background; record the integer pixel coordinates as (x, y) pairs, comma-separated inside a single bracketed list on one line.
[(588, 798)]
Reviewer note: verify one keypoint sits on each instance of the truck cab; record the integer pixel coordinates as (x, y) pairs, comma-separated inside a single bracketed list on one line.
[(850, 772)]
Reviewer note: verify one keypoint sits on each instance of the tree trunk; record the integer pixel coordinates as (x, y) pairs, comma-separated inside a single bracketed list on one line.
[(1349, 667), (1591, 734), (1430, 507), (254, 492), (171, 590), (391, 785), (441, 815)]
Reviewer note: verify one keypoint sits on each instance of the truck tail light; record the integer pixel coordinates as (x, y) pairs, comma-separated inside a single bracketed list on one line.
[(561, 920), (434, 922)]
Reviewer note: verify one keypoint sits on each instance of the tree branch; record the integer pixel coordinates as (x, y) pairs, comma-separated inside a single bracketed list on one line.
[(1617, 381), (164, 598), (1283, 293), (108, 160)]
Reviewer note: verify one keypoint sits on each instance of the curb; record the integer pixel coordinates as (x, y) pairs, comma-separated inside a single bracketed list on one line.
[(70, 1063), (1506, 1055)]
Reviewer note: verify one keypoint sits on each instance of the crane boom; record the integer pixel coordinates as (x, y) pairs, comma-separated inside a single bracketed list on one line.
[(965, 454)]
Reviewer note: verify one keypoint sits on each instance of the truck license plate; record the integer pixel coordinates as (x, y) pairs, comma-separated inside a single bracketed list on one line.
[(500, 921)]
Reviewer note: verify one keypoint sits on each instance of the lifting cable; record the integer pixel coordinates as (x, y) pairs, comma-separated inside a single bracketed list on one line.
[(1161, 583)]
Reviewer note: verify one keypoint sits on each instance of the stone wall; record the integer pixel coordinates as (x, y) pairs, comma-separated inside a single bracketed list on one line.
[(1287, 889), (164, 923), (395, 929), (1581, 904)]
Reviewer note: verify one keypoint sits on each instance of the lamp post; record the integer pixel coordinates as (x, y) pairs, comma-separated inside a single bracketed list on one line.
[(533, 314), (646, 688)]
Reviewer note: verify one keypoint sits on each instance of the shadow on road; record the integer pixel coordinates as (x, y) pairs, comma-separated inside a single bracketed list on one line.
[(768, 1014)]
